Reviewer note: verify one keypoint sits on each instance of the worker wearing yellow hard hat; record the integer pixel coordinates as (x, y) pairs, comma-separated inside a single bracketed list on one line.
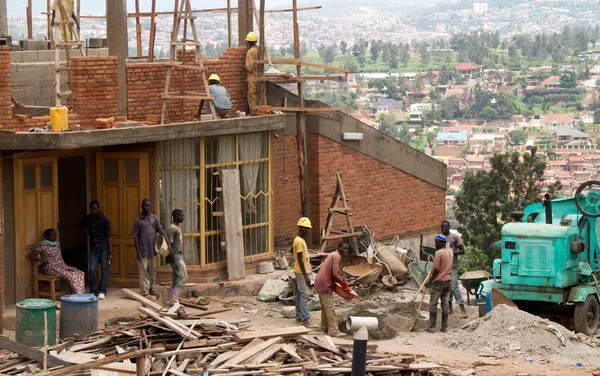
[(252, 71), (221, 98), (301, 269)]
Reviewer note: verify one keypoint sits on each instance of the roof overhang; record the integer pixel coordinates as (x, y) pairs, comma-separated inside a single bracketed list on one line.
[(134, 135)]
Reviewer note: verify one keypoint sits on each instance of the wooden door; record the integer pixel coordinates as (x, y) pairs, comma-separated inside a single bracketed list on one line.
[(122, 184), (35, 210)]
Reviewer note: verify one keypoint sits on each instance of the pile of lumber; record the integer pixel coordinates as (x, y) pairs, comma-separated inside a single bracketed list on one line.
[(160, 342)]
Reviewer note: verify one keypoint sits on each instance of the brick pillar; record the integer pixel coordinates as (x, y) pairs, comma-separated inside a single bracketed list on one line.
[(1, 247), (5, 89)]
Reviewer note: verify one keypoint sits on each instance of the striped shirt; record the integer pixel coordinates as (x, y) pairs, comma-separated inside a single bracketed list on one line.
[(221, 97)]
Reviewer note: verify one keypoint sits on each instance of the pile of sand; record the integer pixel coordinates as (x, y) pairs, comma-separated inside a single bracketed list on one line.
[(509, 332)]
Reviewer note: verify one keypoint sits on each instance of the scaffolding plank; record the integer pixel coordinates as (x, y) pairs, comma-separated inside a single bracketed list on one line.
[(311, 109), (232, 208)]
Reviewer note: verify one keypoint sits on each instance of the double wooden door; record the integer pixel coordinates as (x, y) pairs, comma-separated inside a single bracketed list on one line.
[(122, 184)]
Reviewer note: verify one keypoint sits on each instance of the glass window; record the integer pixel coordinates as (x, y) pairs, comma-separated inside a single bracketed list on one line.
[(46, 175), (132, 170), (28, 177), (111, 170)]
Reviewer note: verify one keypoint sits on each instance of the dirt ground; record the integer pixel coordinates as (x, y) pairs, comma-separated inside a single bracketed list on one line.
[(397, 313)]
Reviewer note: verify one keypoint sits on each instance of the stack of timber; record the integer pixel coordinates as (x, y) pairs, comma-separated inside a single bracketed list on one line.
[(160, 343)]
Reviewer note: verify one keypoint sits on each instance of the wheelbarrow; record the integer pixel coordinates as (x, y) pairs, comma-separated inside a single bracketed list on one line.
[(426, 252), (364, 273), (471, 282)]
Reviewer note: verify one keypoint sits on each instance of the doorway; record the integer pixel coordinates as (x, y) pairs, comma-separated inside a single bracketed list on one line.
[(72, 206)]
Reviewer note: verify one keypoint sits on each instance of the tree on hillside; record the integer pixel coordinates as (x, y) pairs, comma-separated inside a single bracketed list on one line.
[(568, 80), (597, 116), (343, 47), (488, 113), (375, 49), (517, 137), (327, 53), (487, 198)]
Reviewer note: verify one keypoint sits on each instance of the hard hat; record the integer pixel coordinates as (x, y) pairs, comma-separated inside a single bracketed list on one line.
[(304, 222), (252, 37), (214, 77)]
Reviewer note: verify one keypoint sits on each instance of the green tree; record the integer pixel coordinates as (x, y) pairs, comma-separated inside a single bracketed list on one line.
[(375, 49), (517, 137), (597, 116), (404, 135), (488, 113), (488, 197), (568, 80), (344, 47)]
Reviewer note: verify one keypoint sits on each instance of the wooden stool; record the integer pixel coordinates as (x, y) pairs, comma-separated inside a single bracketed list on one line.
[(38, 277)]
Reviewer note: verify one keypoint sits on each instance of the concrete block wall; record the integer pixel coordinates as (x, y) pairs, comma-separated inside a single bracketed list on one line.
[(146, 84)]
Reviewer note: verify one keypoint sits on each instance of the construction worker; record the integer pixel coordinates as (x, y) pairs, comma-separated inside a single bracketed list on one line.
[(457, 249), (329, 274), (221, 98), (301, 269), (252, 71), (440, 281), (70, 10)]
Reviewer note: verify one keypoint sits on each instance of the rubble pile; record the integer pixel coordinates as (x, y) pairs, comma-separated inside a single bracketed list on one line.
[(167, 340), (509, 332)]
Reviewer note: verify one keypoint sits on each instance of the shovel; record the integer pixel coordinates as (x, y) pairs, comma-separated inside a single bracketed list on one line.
[(422, 287)]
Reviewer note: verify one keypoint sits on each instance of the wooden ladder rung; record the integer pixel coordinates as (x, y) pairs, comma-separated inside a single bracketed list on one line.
[(340, 236), (187, 17), (340, 210), (78, 43), (189, 97), (64, 93), (185, 43)]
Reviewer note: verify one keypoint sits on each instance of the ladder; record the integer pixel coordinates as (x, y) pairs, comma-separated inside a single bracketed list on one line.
[(65, 35), (339, 205), (185, 13)]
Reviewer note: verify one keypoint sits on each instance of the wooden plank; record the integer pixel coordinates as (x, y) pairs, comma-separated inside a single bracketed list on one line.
[(304, 64), (176, 328), (270, 333), (74, 369), (187, 353), (152, 32), (248, 353), (291, 351), (30, 353), (222, 358), (145, 301), (119, 367), (266, 354), (232, 207), (85, 346), (311, 109), (325, 346)]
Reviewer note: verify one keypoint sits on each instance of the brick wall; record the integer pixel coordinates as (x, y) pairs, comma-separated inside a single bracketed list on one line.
[(286, 204), (1, 248), (146, 84), (5, 89), (94, 87), (390, 201)]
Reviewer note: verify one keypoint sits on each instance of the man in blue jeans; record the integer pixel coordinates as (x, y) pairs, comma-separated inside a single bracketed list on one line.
[(301, 269), (457, 249), (100, 233)]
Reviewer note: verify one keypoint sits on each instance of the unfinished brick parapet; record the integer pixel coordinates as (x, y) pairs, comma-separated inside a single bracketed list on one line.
[(94, 88), (5, 89), (390, 201), (146, 84)]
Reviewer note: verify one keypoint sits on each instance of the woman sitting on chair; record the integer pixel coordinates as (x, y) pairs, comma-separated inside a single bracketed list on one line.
[(49, 255)]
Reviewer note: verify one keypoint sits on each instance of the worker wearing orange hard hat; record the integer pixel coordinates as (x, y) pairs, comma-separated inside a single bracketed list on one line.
[(252, 71), (301, 269)]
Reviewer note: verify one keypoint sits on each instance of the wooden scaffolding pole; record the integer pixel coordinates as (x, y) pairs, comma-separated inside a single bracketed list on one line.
[(229, 23), (152, 32), (300, 121), (29, 20), (49, 20), (138, 30), (262, 49)]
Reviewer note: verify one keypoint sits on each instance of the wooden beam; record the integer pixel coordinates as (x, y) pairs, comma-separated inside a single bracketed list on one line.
[(229, 23), (176, 328), (29, 20), (304, 64), (246, 354), (232, 208), (77, 368), (30, 353), (138, 29), (260, 20), (298, 79), (145, 301), (211, 10), (312, 110), (291, 331), (152, 32)]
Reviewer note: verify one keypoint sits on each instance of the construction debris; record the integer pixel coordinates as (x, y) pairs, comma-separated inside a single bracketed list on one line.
[(158, 344), (506, 332)]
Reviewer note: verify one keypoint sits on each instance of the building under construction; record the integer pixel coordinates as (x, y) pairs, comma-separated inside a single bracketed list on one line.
[(134, 133)]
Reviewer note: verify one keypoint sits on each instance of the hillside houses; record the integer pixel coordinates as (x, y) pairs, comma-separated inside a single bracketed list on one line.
[(570, 136), (551, 82), (554, 121)]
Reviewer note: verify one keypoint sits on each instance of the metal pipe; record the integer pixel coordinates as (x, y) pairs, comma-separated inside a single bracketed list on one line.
[(548, 207)]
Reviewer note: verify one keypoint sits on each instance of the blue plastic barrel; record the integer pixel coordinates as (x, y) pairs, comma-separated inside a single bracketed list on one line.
[(78, 314), (30, 322)]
